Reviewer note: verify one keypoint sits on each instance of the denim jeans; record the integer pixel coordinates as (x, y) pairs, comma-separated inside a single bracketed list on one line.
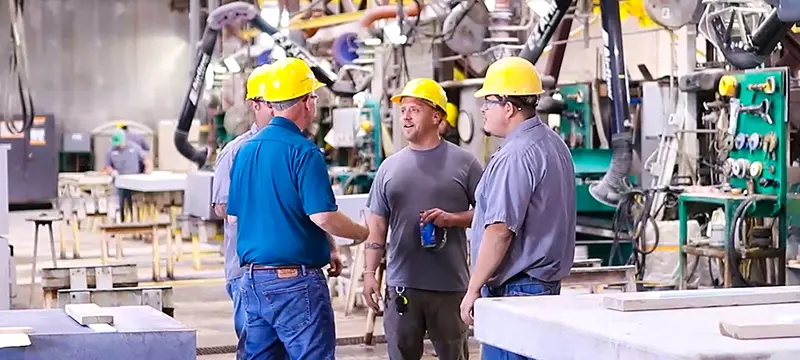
[(289, 314), (239, 315), (520, 285), (125, 197)]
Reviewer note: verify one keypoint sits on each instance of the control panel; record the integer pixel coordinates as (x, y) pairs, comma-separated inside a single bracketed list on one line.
[(754, 137), (576, 126)]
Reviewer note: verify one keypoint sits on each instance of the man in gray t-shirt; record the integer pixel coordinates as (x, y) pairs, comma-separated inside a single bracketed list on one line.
[(430, 181)]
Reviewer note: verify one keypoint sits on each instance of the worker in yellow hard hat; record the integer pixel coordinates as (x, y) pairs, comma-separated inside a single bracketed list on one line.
[(261, 114), (447, 126), (523, 231), (423, 193), (281, 196)]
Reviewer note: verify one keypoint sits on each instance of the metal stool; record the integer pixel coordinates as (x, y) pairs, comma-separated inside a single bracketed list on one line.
[(42, 220)]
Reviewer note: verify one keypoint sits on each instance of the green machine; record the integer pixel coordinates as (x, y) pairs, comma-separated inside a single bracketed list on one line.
[(595, 219), (752, 143)]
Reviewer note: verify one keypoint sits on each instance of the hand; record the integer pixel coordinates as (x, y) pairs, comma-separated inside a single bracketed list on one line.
[(371, 292), (467, 303), (336, 264), (438, 216)]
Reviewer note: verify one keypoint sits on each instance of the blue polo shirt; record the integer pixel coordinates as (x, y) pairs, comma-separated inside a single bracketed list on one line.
[(278, 179)]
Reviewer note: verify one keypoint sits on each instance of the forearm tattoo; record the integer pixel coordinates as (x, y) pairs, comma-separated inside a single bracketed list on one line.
[(375, 246)]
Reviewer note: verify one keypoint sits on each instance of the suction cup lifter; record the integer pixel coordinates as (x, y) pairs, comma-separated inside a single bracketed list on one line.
[(229, 14)]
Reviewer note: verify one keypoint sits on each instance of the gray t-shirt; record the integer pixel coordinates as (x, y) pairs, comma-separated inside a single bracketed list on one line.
[(126, 160), (529, 185), (410, 182)]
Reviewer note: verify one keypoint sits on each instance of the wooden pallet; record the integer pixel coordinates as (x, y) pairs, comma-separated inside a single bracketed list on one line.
[(85, 277), (157, 297)]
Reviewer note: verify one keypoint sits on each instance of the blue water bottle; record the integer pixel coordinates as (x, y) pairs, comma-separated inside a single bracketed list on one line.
[(427, 235)]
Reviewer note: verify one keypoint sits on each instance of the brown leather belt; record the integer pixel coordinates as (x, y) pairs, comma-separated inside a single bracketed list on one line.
[(268, 267)]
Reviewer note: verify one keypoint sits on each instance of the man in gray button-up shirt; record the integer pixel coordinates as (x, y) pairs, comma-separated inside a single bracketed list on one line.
[(260, 114), (523, 230)]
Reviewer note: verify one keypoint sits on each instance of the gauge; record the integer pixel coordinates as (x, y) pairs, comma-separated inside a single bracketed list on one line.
[(740, 141), (465, 126)]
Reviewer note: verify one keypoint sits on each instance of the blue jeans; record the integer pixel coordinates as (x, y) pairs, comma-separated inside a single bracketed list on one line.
[(289, 314), (520, 285), (239, 315)]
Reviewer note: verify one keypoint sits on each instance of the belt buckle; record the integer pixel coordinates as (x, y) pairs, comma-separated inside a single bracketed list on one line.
[(287, 273)]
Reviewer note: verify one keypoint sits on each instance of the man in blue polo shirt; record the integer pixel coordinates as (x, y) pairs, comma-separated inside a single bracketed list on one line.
[(281, 194), (259, 109)]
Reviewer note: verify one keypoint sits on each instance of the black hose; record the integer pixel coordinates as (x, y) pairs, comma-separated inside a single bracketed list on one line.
[(733, 255), (544, 30)]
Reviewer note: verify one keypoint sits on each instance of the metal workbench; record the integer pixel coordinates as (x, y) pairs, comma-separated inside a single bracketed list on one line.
[(578, 327), (142, 333)]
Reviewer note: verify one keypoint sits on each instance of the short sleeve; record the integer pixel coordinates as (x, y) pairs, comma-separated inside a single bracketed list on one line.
[(376, 200), (314, 184), (145, 145), (141, 154), (234, 178), (473, 178), (222, 178), (508, 188)]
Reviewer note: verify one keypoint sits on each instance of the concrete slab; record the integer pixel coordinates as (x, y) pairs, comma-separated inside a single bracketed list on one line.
[(578, 327), (56, 336)]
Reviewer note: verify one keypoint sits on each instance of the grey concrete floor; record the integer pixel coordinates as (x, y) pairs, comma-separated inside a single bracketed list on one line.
[(199, 295)]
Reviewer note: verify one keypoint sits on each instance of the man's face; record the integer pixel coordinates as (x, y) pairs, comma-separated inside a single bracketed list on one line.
[(420, 119), (495, 115)]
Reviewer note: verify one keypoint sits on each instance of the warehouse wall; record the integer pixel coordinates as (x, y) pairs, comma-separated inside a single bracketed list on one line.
[(94, 61)]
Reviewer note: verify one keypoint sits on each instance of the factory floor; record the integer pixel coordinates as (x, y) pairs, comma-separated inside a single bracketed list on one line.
[(198, 295)]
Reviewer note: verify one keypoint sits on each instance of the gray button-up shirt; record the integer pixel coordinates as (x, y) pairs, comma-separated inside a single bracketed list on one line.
[(529, 185), (222, 181)]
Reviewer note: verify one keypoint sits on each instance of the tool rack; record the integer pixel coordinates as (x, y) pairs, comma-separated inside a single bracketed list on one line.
[(756, 164)]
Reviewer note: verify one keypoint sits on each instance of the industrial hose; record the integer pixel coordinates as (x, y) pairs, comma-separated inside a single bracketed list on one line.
[(231, 13), (18, 73), (614, 182)]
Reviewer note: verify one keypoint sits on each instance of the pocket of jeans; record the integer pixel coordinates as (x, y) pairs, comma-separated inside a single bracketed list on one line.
[(531, 289), (290, 307)]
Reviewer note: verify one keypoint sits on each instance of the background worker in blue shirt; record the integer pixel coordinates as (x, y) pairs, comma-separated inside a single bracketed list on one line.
[(233, 271), (281, 195)]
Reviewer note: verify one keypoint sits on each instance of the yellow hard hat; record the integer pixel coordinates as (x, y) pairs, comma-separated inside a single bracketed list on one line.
[(425, 89), (452, 114), (121, 124), (511, 76), (292, 79), (257, 82)]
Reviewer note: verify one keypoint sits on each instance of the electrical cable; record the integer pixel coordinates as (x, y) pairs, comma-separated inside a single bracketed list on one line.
[(630, 221), (733, 254)]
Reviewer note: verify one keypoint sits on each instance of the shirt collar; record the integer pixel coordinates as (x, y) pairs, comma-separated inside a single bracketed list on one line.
[(522, 128), (253, 129), (285, 123)]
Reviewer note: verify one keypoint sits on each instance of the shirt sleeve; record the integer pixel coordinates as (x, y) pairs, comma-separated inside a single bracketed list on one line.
[(376, 200), (141, 154), (473, 178), (145, 145), (508, 189), (233, 179), (222, 178), (314, 185)]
